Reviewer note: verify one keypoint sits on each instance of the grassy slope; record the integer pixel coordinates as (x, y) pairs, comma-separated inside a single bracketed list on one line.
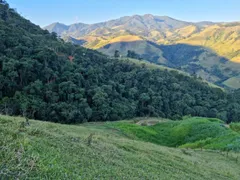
[(224, 39), (96, 42), (192, 132), (235, 127), (53, 151), (151, 65), (141, 47), (233, 82)]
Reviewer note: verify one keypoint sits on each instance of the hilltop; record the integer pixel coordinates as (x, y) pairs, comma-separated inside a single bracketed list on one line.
[(131, 23)]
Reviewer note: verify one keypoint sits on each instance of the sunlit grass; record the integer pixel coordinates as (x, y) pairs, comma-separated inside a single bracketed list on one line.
[(192, 132), (97, 151)]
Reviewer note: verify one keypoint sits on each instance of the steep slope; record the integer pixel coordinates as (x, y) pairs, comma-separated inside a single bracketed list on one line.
[(202, 62), (44, 78), (144, 48), (94, 151), (99, 42), (224, 39)]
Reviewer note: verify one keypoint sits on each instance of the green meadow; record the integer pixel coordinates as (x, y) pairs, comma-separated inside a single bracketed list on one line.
[(119, 150)]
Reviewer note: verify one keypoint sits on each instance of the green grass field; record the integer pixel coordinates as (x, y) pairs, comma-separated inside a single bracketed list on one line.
[(233, 82), (46, 150), (192, 132), (235, 127)]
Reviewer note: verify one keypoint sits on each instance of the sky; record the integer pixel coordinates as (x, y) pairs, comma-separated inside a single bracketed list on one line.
[(45, 12)]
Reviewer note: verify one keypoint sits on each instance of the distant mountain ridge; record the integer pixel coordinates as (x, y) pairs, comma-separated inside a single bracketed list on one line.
[(127, 21), (208, 49), (135, 23), (159, 29)]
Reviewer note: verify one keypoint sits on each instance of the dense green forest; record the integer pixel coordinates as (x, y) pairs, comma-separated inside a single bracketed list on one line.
[(42, 77)]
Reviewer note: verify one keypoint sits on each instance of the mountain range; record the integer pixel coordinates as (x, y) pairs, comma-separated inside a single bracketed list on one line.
[(207, 49)]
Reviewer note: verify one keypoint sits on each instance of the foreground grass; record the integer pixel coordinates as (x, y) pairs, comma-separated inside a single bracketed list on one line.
[(97, 151)]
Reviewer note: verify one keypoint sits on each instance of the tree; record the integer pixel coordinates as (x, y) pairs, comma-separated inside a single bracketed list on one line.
[(133, 54), (5, 105), (3, 2), (4, 7), (116, 54)]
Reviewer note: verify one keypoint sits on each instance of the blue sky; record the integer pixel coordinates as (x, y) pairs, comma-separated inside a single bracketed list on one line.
[(44, 12)]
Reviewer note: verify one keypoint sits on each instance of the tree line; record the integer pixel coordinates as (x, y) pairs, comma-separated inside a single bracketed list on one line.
[(130, 54)]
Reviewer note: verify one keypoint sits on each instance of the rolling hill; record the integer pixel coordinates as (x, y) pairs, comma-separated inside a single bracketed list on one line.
[(191, 132), (207, 49), (46, 150), (223, 38)]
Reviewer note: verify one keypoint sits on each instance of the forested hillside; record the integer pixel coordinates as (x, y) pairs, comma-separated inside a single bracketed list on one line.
[(207, 49), (44, 78), (194, 60)]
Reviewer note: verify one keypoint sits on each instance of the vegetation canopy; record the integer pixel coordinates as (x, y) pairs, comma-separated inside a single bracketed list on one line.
[(42, 77)]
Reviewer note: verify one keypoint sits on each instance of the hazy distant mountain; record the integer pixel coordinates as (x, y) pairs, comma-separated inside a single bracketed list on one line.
[(74, 41), (136, 23), (203, 48), (57, 28), (159, 29)]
